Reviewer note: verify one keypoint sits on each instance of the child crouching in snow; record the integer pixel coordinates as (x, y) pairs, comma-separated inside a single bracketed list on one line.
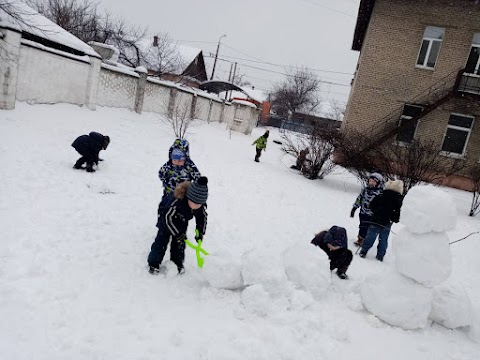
[(334, 243), (188, 200)]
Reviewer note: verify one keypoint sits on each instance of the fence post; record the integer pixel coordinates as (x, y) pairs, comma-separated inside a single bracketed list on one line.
[(92, 82), (141, 85), (9, 67), (193, 107)]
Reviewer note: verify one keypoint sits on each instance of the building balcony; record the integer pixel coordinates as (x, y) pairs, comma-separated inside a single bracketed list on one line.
[(469, 83)]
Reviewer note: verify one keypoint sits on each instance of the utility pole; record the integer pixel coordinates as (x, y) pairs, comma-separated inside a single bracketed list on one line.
[(216, 55)]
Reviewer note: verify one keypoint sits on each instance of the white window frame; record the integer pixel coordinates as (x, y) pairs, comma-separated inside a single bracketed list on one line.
[(460, 128), (429, 49), (406, 117)]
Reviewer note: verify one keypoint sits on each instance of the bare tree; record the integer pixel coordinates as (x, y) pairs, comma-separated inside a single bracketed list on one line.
[(163, 56), (474, 174), (320, 144), (180, 114), (297, 92), (412, 163)]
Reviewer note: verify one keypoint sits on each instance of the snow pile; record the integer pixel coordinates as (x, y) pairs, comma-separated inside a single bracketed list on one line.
[(425, 257), (257, 300), (428, 209), (451, 306), (397, 300), (474, 332), (264, 269), (307, 267), (422, 260), (223, 272)]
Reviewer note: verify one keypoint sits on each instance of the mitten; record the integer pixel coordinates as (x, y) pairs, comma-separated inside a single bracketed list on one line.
[(352, 213), (198, 236)]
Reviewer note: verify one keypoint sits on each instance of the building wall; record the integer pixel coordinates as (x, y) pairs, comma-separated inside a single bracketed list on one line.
[(203, 105), (387, 76), (42, 77), (156, 98), (117, 89)]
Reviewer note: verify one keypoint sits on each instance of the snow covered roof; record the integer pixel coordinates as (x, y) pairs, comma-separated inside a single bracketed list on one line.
[(31, 22), (244, 102), (255, 94), (186, 54)]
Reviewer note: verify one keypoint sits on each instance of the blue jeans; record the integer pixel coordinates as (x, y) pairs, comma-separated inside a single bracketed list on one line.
[(382, 231)]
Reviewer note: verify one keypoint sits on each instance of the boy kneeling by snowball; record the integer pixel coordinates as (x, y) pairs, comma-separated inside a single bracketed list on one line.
[(334, 243), (188, 200)]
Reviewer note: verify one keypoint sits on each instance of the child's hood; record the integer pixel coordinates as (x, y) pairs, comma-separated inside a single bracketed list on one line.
[(180, 144)]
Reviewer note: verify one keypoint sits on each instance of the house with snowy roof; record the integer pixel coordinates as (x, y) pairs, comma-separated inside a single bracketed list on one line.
[(174, 62), (418, 78), (36, 54)]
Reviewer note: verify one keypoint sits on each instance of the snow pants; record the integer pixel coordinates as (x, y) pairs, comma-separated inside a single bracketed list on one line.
[(364, 224), (259, 153), (382, 231), (159, 247)]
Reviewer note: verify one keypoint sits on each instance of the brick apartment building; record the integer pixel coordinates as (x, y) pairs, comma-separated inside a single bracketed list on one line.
[(418, 75)]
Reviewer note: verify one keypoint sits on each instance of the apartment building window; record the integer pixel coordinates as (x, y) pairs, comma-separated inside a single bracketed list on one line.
[(432, 40), (406, 133), (458, 132), (473, 62)]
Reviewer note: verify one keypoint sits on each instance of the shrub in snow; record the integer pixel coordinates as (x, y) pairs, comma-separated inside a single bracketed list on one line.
[(397, 300), (256, 300), (308, 268), (451, 306), (426, 209), (223, 272), (425, 258), (264, 269)]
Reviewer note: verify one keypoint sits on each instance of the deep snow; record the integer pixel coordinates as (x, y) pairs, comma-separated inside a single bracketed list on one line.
[(73, 278)]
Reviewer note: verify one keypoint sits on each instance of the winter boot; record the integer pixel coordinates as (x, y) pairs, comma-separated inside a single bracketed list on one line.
[(181, 270), (90, 168), (153, 270), (362, 254), (379, 258), (359, 241), (342, 275)]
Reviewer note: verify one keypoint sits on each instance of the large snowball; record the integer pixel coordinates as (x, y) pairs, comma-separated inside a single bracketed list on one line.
[(256, 300), (264, 269), (425, 258), (223, 272), (397, 300), (308, 267), (451, 306), (426, 209)]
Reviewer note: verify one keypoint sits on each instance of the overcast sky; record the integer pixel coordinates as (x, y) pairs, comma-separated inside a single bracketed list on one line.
[(313, 33)]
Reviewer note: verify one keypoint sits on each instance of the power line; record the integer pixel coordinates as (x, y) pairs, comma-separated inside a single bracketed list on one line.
[(282, 73), (286, 66), (328, 8)]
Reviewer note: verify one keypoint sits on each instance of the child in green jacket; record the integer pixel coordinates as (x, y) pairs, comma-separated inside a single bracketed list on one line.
[(261, 144)]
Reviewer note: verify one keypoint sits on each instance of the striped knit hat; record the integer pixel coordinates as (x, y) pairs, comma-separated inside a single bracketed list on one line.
[(198, 191)]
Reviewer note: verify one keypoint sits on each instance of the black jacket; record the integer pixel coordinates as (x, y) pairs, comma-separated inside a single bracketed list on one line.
[(174, 215), (89, 145), (386, 207)]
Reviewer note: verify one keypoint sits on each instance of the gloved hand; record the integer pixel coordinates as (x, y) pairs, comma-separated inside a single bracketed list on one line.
[(198, 236), (352, 213), (181, 238)]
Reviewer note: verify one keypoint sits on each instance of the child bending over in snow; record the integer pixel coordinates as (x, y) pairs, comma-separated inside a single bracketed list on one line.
[(188, 200), (89, 146), (334, 243), (178, 168)]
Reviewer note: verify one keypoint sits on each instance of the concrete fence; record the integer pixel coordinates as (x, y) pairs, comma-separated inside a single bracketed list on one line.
[(34, 73)]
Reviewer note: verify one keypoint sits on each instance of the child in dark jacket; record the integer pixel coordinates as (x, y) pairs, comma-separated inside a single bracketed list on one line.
[(178, 168), (334, 243), (89, 147), (175, 211), (261, 144), (364, 199), (386, 210)]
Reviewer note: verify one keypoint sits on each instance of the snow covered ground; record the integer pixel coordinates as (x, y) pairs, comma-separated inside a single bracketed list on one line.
[(73, 277)]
